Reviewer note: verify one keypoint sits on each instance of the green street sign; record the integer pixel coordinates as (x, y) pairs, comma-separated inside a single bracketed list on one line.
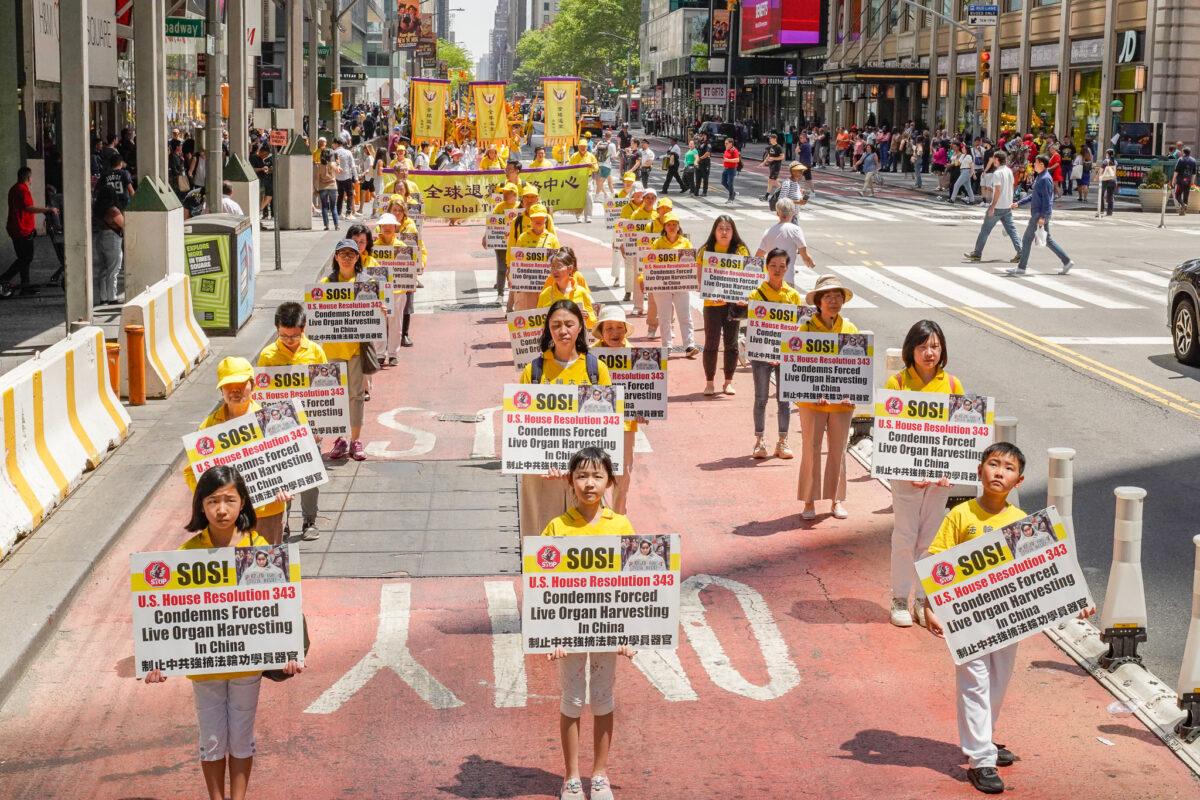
[(185, 28), (613, 90), (322, 49)]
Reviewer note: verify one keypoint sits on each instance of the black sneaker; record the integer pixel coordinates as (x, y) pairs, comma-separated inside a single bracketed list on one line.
[(405, 341), (986, 780), (971, 256), (628, 297), (1004, 756), (311, 532)]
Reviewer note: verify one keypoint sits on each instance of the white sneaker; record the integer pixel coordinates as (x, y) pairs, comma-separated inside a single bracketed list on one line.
[(918, 612), (901, 617), (1066, 268)]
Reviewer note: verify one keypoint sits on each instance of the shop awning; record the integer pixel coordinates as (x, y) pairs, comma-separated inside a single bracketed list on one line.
[(871, 75)]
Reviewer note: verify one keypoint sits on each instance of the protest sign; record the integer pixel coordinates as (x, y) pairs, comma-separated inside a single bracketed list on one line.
[(400, 259), (528, 268), (383, 277), (273, 448), (671, 271), (545, 424), (468, 193), (921, 436), (1005, 585), (628, 229), (345, 312), (830, 366), (730, 277), (320, 389), (205, 612), (598, 593), (612, 210), (498, 226), (642, 373), (525, 333), (767, 323)]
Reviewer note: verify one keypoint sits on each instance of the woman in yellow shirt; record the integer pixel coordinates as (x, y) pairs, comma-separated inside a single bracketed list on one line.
[(226, 703), (509, 202), (582, 156), (566, 285), (645, 211), (345, 268), (918, 506), (539, 159), (491, 159), (585, 676), (721, 320), (390, 227), (627, 182), (613, 330), (672, 303), (564, 360), (827, 419), (537, 235), (773, 290), (629, 251)]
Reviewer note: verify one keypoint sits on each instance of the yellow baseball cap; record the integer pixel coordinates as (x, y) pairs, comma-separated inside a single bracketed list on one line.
[(629, 176), (668, 217), (234, 369), (509, 187), (529, 189), (587, 134), (537, 210), (664, 202)]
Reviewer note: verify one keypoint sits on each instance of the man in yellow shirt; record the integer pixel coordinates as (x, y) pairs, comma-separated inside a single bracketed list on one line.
[(582, 156), (539, 159), (291, 347), (509, 192), (529, 198)]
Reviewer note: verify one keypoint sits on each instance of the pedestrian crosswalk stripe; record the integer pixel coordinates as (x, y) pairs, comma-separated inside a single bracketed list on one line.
[(1011, 287), (870, 213), (1109, 280), (936, 283), (884, 286), (765, 216), (823, 209), (1160, 281), (1073, 290), (806, 280)]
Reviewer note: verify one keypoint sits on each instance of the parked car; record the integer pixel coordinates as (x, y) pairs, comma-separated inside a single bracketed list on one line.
[(608, 117), (719, 131), (591, 122), (1183, 305)]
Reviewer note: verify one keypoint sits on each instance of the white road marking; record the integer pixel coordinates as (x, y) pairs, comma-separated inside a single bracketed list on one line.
[(1161, 281), (423, 441), (1112, 281), (665, 672), (508, 660), (1130, 340), (861, 209), (583, 236), (484, 445), (391, 651), (641, 444), (880, 284), (934, 282), (1073, 290), (783, 676), (1013, 287)]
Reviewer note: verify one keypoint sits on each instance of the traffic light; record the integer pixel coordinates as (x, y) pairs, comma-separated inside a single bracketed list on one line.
[(335, 101), (225, 100), (985, 66)]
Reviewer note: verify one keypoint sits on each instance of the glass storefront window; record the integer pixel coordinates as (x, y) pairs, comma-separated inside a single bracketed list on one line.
[(964, 117), (1085, 105), (1128, 91), (1013, 5), (1009, 103), (1042, 101)]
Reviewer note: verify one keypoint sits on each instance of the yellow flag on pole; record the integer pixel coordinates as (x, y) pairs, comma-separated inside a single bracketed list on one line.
[(491, 112), (561, 103), (428, 104)]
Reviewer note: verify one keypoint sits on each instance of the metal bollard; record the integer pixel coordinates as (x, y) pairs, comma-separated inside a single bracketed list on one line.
[(1189, 672), (113, 351), (1060, 485), (1123, 622), (1006, 431), (135, 340)]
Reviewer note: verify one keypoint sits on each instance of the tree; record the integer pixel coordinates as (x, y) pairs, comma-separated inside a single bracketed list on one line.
[(577, 43), (457, 59)]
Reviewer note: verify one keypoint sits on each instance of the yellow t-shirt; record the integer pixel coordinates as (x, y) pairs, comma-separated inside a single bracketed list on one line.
[(277, 355), (574, 373), (216, 418), (491, 163), (202, 541), (531, 239), (840, 325), (339, 351), (663, 243), (521, 224), (541, 163), (584, 158), (717, 248), (968, 520), (576, 293), (908, 381), (786, 294), (572, 523)]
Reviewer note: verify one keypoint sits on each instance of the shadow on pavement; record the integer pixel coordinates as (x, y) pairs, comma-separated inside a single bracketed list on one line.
[(1139, 733), (483, 778), (887, 748), (1167, 362)]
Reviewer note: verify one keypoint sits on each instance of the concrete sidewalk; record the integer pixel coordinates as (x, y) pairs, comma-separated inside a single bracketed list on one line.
[(39, 578)]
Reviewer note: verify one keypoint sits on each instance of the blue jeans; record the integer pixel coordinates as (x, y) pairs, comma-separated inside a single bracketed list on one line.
[(762, 391), (1004, 217), (964, 180), (1027, 244), (727, 176), (329, 205)]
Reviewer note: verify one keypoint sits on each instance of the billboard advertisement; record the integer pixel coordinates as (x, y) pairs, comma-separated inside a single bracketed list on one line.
[(779, 23)]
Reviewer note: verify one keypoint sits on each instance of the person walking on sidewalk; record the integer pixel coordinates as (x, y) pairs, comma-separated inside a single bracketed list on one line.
[(345, 267), (1041, 201), (773, 290), (21, 228), (1182, 178), (868, 162), (731, 163), (999, 210), (917, 506), (788, 236), (346, 175), (673, 156), (645, 162)]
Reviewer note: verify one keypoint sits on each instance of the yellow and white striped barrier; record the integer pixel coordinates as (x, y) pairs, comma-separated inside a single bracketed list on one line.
[(174, 341), (58, 419)]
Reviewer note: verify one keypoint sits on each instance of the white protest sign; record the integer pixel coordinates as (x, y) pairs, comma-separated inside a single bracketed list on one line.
[(528, 268), (384, 278), (525, 333), (612, 210), (922, 436), (545, 424), (320, 388), (400, 259), (730, 277), (671, 271), (498, 225), (1005, 585), (830, 366), (598, 593), (767, 323), (642, 373), (204, 612), (345, 312)]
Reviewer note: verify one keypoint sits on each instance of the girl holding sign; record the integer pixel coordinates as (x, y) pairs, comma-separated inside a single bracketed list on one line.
[(566, 285), (918, 506), (346, 267), (613, 330), (721, 320), (537, 234), (825, 419), (235, 381), (629, 251), (390, 227), (226, 703), (671, 303), (564, 360), (773, 290), (588, 676)]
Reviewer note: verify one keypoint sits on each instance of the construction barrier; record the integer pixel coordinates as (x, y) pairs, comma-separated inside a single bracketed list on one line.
[(174, 342), (58, 418)]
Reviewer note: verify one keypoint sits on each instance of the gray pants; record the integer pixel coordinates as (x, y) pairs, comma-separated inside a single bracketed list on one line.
[(762, 391), (1004, 217), (308, 504), (1027, 244), (109, 256), (964, 181)]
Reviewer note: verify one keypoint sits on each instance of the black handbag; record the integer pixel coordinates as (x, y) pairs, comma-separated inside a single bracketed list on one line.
[(369, 359), (773, 199)]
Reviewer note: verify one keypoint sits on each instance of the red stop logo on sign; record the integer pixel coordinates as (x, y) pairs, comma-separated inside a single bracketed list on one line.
[(894, 406), (548, 557)]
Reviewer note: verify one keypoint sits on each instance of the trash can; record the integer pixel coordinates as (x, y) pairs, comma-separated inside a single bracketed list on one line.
[(219, 255)]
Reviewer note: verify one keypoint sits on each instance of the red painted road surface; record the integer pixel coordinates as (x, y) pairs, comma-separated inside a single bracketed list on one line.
[(790, 683)]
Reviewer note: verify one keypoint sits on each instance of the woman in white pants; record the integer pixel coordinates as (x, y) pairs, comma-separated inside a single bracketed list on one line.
[(675, 303), (918, 506)]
